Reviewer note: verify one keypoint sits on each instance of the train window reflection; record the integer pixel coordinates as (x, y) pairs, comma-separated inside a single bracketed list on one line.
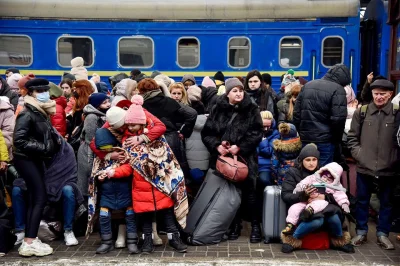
[(136, 52), (15, 50), (188, 52), (73, 46), (290, 52), (332, 51), (239, 50)]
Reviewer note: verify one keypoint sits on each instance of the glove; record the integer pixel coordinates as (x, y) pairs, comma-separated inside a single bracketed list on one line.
[(222, 150), (234, 149), (346, 208)]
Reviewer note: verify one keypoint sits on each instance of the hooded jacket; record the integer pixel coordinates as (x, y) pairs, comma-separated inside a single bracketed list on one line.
[(6, 91), (245, 130), (197, 154), (59, 119), (7, 123), (265, 149), (336, 171), (94, 119), (321, 108)]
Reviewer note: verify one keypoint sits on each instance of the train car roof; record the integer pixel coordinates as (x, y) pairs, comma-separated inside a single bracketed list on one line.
[(177, 10)]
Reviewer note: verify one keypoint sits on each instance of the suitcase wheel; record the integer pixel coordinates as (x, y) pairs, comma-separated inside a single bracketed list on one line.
[(267, 240)]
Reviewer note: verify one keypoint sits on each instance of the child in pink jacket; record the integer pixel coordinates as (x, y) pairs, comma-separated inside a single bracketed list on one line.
[(329, 175)]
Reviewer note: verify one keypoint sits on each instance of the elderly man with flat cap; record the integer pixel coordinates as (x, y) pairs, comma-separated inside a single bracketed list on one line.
[(372, 140)]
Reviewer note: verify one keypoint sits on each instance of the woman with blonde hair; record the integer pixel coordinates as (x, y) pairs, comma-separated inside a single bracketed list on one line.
[(286, 106), (178, 93)]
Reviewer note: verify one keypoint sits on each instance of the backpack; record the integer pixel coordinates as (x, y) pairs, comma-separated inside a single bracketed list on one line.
[(364, 108)]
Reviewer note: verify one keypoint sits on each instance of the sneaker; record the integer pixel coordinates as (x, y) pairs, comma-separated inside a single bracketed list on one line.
[(36, 248), (2, 254), (20, 237), (358, 240), (176, 242), (385, 243), (70, 239)]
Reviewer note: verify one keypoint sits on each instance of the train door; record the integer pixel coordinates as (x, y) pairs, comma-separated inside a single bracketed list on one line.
[(332, 50)]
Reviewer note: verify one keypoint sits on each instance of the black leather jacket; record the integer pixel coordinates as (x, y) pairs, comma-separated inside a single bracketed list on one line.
[(34, 135)]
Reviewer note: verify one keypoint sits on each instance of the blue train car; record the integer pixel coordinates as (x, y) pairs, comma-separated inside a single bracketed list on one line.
[(174, 37), (375, 40)]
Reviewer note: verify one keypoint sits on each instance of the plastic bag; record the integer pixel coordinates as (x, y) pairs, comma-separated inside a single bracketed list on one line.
[(49, 231)]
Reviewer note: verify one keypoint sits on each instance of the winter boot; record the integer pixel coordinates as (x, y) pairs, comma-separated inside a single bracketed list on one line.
[(106, 244), (157, 241), (234, 231), (290, 243), (289, 230), (148, 246), (255, 235), (120, 243), (343, 243), (176, 242), (132, 241)]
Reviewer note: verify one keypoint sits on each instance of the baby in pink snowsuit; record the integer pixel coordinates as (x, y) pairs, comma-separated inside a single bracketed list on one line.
[(328, 175)]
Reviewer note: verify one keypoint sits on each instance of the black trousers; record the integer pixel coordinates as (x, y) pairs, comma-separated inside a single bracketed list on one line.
[(32, 171), (168, 219)]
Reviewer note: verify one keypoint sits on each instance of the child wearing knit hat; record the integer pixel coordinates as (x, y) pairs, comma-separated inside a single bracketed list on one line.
[(136, 120), (286, 150), (115, 187)]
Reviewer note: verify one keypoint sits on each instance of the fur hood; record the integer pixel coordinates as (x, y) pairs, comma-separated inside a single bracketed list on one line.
[(287, 146), (245, 105)]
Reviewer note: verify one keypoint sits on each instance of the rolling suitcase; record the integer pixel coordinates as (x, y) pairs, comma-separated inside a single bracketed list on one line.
[(212, 211), (274, 214)]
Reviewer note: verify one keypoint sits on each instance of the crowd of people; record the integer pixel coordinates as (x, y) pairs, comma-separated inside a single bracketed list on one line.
[(142, 149)]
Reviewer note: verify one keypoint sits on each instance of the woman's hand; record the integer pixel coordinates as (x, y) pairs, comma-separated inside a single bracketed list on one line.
[(234, 149), (222, 150), (3, 166), (117, 156), (310, 190)]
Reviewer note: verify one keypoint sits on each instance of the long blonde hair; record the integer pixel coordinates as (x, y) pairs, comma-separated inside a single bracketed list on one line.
[(294, 92), (179, 85)]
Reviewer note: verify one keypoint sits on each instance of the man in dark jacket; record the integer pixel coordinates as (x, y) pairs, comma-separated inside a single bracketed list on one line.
[(321, 110), (372, 140), (6, 91)]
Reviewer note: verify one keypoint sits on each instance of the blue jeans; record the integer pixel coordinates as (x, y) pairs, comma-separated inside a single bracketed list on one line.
[(266, 178), (333, 223), (365, 185), (326, 152), (19, 208), (68, 207)]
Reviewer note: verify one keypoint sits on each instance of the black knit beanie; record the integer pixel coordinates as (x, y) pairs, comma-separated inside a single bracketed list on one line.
[(310, 150)]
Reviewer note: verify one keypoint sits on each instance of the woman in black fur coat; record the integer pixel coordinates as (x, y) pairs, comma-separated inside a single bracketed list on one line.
[(244, 134)]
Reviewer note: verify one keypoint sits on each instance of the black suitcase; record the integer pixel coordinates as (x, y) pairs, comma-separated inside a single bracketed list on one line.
[(212, 211)]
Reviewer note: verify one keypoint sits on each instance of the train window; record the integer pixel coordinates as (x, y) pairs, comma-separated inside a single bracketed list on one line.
[(73, 46), (332, 51), (136, 52), (15, 50), (188, 52), (239, 50), (290, 52)]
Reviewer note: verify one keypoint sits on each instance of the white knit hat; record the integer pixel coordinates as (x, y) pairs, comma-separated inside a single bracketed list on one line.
[(115, 116)]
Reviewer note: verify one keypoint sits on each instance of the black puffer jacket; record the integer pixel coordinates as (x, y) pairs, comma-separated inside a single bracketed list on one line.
[(172, 114), (208, 97), (6, 91), (33, 134), (245, 130), (321, 108)]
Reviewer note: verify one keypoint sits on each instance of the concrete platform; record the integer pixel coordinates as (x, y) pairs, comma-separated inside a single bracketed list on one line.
[(239, 252)]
